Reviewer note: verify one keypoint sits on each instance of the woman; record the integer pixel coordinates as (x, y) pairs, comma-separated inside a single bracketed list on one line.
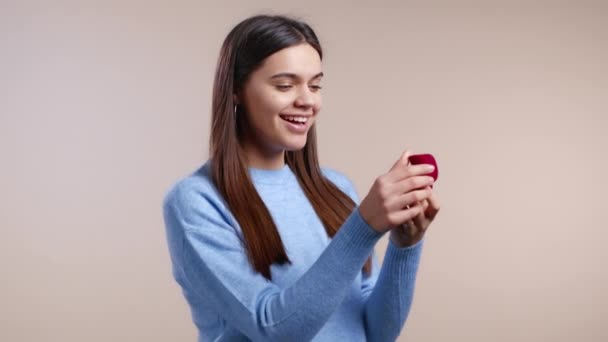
[(266, 244)]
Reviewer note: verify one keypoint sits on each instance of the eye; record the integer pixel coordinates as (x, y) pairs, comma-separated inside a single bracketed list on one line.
[(283, 86), (316, 87)]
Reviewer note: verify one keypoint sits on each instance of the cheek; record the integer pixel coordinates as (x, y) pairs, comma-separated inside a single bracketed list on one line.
[(270, 104), (278, 102)]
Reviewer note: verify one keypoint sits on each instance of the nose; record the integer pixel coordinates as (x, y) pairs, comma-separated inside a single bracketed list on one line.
[(305, 98)]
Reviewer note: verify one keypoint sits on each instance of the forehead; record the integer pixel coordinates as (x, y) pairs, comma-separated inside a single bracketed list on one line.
[(302, 60)]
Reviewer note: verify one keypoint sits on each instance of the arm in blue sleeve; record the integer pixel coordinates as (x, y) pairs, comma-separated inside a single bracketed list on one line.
[(389, 302), (387, 292), (214, 266)]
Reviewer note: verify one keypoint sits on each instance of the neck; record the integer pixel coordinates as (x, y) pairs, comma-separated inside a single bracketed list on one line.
[(261, 158)]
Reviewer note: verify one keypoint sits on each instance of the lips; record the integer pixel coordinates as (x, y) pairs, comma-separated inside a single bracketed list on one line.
[(302, 120), (297, 127), (283, 115), (296, 114), (295, 122)]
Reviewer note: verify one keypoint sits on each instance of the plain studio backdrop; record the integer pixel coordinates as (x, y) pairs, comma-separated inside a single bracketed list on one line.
[(104, 105)]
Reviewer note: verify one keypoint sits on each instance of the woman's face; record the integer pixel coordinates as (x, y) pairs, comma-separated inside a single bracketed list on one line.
[(281, 99)]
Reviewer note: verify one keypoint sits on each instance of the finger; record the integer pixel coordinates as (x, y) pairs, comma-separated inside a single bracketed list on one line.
[(399, 174), (415, 225), (412, 183), (403, 160), (433, 208), (409, 184), (409, 199), (420, 220), (402, 216), (410, 228)]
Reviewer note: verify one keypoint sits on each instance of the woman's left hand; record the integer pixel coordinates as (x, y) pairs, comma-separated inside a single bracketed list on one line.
[(409, 234)]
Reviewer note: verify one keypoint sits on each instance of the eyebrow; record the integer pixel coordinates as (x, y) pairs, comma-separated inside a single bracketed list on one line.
[(291, 75)]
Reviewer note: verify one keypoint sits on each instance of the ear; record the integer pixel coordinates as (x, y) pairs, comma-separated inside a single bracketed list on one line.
[(236, 98)]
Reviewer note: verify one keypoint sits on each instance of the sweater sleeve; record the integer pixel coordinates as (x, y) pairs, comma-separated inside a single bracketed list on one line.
[(389, 302), (387, 292), (213, 265)]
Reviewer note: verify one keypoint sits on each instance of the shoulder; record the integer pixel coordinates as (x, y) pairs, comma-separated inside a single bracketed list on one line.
[(194, 193), (340, 180), (336, 177)]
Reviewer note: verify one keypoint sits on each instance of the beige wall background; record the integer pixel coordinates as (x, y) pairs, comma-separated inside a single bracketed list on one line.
[(103, 105)]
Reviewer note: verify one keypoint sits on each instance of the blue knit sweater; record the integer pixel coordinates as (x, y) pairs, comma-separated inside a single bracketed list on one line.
[(322, 296)]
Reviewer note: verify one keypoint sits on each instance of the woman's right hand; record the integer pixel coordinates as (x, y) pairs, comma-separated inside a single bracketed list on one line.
[(395, 196)]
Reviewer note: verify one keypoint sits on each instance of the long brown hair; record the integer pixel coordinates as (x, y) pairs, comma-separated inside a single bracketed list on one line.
[(243, 50)]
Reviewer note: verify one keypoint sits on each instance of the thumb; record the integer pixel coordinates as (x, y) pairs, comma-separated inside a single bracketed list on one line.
[(403, 160)]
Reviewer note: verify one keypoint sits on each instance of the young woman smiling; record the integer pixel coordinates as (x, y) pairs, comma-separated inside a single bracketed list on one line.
[(265, 243)]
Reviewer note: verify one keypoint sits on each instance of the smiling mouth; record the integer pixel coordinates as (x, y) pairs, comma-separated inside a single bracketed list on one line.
[(294, 119)]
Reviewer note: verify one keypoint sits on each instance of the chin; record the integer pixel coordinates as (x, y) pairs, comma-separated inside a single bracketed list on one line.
[(295, 147)]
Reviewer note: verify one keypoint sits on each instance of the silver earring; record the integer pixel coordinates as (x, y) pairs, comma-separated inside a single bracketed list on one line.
[(235, 109)]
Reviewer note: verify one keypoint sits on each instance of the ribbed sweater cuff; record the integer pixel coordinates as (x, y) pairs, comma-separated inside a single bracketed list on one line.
[(359, 238), (403, 260)]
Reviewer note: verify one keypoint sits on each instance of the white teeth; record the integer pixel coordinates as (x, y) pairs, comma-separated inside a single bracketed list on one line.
[(296, 118)]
